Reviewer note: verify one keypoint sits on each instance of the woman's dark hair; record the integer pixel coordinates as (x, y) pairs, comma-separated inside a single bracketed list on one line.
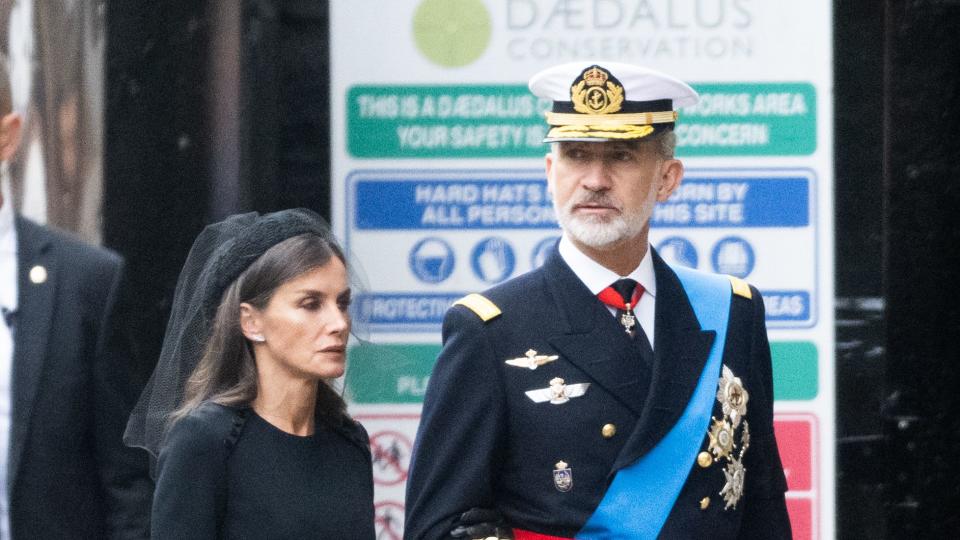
[(227, 373)]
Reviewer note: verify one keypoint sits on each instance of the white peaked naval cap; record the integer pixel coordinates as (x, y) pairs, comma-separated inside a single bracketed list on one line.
[(604, 101)]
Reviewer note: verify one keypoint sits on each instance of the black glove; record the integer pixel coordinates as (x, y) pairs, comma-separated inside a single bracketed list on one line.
[(482, 523)]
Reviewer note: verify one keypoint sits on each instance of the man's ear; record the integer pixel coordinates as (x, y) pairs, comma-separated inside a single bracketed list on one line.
[(671, 174), (9, 135), (548, 166)]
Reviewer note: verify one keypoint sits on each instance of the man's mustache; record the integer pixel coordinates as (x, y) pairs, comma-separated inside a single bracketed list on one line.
[(597, 198)]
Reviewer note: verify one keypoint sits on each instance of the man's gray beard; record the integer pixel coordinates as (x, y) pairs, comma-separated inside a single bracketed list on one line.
[(595, 231)]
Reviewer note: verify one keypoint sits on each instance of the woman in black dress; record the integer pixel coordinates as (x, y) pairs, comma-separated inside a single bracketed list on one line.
[(259, 445)]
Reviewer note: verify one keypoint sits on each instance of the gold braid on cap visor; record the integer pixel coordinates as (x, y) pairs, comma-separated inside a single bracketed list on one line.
[(573, 119), (599, 132), (606, 126)]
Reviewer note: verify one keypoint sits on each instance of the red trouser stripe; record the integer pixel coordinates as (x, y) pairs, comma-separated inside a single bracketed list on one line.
[(520, 534)]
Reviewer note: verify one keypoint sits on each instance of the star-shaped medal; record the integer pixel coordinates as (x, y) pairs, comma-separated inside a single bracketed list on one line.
[(733, 489)]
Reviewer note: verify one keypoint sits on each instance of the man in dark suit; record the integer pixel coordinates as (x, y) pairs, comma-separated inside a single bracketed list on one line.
[(64, 390), (605, 394)]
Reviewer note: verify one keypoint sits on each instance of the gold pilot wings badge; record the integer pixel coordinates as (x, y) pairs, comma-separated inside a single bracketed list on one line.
[(559, 392), (531, 360)]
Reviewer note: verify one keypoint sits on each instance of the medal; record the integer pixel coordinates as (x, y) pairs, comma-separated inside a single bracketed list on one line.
[(628, 319), (721, 439), (732, 396), (733, 489)]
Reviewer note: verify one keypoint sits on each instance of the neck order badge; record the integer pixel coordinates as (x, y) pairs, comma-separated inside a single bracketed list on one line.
[(623, 295)]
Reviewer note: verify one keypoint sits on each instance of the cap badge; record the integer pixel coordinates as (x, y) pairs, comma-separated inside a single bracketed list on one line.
[(563, 476), (531, 360), (595, 93)]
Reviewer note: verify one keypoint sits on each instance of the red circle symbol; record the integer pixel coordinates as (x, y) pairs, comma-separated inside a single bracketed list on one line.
[(389, 520), (391, 457)]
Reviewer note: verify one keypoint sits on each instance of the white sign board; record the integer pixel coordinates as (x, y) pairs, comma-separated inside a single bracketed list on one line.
[(438, 183)]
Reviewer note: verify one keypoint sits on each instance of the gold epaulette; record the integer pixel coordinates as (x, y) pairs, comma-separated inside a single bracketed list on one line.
[(479, 304), (740, 287)]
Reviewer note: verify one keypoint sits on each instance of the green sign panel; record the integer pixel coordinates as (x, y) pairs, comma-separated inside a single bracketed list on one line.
[(795, 374), (506, 121), (763, 119), (389, 373), (399, 373), (445, 122)]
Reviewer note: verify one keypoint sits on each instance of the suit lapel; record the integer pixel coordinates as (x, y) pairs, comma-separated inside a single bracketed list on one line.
[(590, 339), (34, 315), (681, 351)]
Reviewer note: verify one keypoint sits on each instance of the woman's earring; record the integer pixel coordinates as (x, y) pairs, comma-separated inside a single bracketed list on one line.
[(259, 338)]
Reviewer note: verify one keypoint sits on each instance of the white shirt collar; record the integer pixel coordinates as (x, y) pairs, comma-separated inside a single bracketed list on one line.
[(597, 277), (8, 250)]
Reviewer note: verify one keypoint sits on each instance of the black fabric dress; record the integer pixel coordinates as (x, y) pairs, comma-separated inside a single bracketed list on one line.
[(226, 473)]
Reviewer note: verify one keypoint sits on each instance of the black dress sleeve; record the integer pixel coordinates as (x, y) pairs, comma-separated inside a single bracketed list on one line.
[(191, 476)]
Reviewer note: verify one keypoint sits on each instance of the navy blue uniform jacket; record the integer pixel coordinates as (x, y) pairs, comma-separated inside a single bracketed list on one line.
[(484, 443)]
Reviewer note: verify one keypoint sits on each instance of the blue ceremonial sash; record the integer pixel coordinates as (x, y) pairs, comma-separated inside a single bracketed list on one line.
[(641, 495)]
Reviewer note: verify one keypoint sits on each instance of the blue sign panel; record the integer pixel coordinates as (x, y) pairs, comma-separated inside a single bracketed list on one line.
[(492, 260), (733, 255), (679, 250), (737, 202), (431, 260), (453, 204), (403, 309), (786, 305), (541, 250)]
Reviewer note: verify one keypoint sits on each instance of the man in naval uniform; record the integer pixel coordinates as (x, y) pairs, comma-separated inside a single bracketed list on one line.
[(606, 394)]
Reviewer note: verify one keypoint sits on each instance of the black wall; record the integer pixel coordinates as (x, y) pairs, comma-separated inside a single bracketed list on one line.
[(921, 187), (156, 186), (190, 140)]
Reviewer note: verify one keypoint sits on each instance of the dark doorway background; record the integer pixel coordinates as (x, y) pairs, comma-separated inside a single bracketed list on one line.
[(194, 133)]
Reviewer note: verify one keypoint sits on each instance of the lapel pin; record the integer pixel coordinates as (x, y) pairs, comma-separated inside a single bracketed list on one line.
[(531, 360), (558, 392), (38, 275)]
